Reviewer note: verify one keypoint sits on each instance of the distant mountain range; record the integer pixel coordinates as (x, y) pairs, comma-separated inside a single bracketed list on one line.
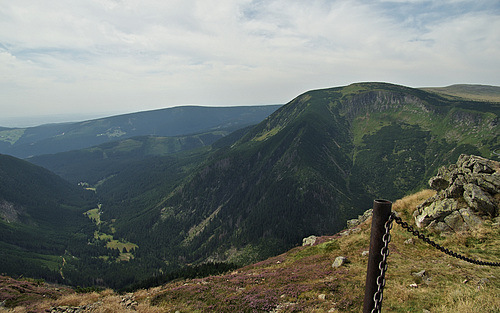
[(163, 203), (177, 121)]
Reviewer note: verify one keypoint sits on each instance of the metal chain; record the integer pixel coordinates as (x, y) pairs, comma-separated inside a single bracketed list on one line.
[(386, 238), (416, 233), (379, 294)]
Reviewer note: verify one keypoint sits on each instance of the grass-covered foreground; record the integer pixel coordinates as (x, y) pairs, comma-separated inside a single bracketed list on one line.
[(303, 279)]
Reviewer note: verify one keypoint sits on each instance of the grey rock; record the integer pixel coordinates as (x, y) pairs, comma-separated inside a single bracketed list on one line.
[(479, 200), (470, 218), (439, 183), (483, 281), (440, 227), (346, 232), (361, 218), (339, 261), (309, 241), (490, 183), (421, 277), (468, 192), (456, 222), (456, 189), (437, 210)]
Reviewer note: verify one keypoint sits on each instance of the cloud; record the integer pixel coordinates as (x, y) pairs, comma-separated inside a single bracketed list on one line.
[(130, 55)]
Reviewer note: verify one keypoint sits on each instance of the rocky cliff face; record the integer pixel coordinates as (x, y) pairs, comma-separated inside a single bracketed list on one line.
[(468, 192)]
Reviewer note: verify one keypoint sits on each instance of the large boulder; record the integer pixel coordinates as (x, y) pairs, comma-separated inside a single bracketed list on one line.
[(467, 192), (479, 200), (437, 210)]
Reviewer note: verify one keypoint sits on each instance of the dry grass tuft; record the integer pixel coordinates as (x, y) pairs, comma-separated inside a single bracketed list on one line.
[(409, 203), (469, 299), (110, 304), (148, 308), (77, 299)]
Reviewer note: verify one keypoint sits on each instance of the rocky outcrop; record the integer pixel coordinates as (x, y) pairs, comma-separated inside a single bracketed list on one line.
[(467, 192), (10, 212), (361, 219), (309, 241)]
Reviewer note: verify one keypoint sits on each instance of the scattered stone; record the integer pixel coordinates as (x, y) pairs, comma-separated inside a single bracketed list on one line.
[(345, 233), (483, 281), (421, 277), (128, 301), (76, 309), (339, 261), (425, 311), (309, 241), (413, 285), (365, 253), (280, 307), (355, 230), (322, 296), (409, 241)]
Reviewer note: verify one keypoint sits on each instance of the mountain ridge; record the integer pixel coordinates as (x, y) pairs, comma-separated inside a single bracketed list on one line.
[(176, 121), (311, 163), (469, 91), (307, 168)]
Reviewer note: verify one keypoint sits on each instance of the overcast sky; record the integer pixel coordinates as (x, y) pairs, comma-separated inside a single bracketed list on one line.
[(89, 57)]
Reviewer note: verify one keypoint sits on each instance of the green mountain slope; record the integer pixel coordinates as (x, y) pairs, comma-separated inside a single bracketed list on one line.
[(41, 215), (98, 163), (177, 121), (51, 229), (314, 163)]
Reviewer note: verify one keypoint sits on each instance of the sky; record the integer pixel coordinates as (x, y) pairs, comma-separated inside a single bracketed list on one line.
[(86, 58)]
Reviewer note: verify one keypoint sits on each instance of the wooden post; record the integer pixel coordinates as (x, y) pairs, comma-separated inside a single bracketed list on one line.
[(381, 213)]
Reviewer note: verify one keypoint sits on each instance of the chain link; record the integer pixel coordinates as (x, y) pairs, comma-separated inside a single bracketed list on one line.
[(379, 294), (422, 237), (386, 238)]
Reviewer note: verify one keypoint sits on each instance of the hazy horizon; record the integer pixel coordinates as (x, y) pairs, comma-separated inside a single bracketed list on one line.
[(81, 57)]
